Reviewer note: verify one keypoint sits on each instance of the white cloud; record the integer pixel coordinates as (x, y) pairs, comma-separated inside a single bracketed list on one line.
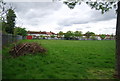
[(28, 0), (57, 17)]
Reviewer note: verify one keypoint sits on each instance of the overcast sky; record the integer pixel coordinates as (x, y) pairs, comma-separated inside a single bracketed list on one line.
[(56, 16)]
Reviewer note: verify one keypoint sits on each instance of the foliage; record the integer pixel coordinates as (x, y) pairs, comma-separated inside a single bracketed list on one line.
[(7, 17), (60, 34), (3, 10), (10, 21), (88, 34), (112, 36), (71, 4), (77, 33), (52, 36), (69, 34), (102, 36), (41, 36), (20, 31), (65, 59), (4, 24), (103, 5)]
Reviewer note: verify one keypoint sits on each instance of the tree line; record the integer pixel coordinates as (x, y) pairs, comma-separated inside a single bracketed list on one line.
[(78, 34)]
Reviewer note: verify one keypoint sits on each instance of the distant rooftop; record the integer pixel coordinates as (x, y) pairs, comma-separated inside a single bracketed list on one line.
[(36, 32)]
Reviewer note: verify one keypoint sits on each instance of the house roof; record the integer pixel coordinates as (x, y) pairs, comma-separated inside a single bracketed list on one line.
[(48, 33), (35, 32)]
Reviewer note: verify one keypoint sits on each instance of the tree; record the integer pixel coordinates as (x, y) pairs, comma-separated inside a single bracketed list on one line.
[(61, 34), (68, 35), (7, 17), (3, 24), (52, 36), (102, 36), (10, 21), (118, 42), (88, 34), (112, 36), (104, 6), (20, 31), (3, 10), (41, 36), (77, 34), (2, 16)]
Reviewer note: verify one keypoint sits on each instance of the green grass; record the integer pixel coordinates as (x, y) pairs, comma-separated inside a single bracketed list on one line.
[(64, 59)]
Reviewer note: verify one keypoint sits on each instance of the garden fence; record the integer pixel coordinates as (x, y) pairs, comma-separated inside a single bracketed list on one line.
[(9, 38)]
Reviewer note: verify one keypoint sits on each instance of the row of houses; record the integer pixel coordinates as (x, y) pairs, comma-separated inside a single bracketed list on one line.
[(52, 35), (40, 35)]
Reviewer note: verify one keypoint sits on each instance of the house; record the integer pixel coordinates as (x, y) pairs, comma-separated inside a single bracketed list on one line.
[(110, 37), (98, 37), (42, 35)]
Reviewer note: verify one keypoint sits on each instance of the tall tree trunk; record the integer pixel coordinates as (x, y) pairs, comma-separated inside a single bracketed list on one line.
[(118, 42)]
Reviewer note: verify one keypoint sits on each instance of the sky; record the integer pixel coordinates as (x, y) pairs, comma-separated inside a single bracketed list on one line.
[(56, 16)]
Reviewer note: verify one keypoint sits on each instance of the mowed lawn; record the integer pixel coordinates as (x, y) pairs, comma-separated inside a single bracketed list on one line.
[(64, 59)]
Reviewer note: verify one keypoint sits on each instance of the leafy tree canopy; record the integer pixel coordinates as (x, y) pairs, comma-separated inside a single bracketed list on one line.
[(102, 5), (77, 33), (10, 21), (52, 36), (68, 34), (102, 36), (60, 33), (20, 31), (88, 34)]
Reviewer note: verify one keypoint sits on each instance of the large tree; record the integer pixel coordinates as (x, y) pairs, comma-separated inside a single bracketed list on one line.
[(68, 35), (2, 15), (102, 36), (10, 21), (61, 34), (20, 31), (118, 42), (88, 34), (2, 10), (77, 34), (104, 6), (7, 17)]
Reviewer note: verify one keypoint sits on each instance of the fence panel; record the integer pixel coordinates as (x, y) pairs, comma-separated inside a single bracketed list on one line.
[(9, 38)]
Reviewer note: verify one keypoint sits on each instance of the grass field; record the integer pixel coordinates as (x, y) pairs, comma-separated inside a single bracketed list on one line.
[(64, 59)]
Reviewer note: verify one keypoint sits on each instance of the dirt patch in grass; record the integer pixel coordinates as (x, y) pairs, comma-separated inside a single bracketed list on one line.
[(26, 48)]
